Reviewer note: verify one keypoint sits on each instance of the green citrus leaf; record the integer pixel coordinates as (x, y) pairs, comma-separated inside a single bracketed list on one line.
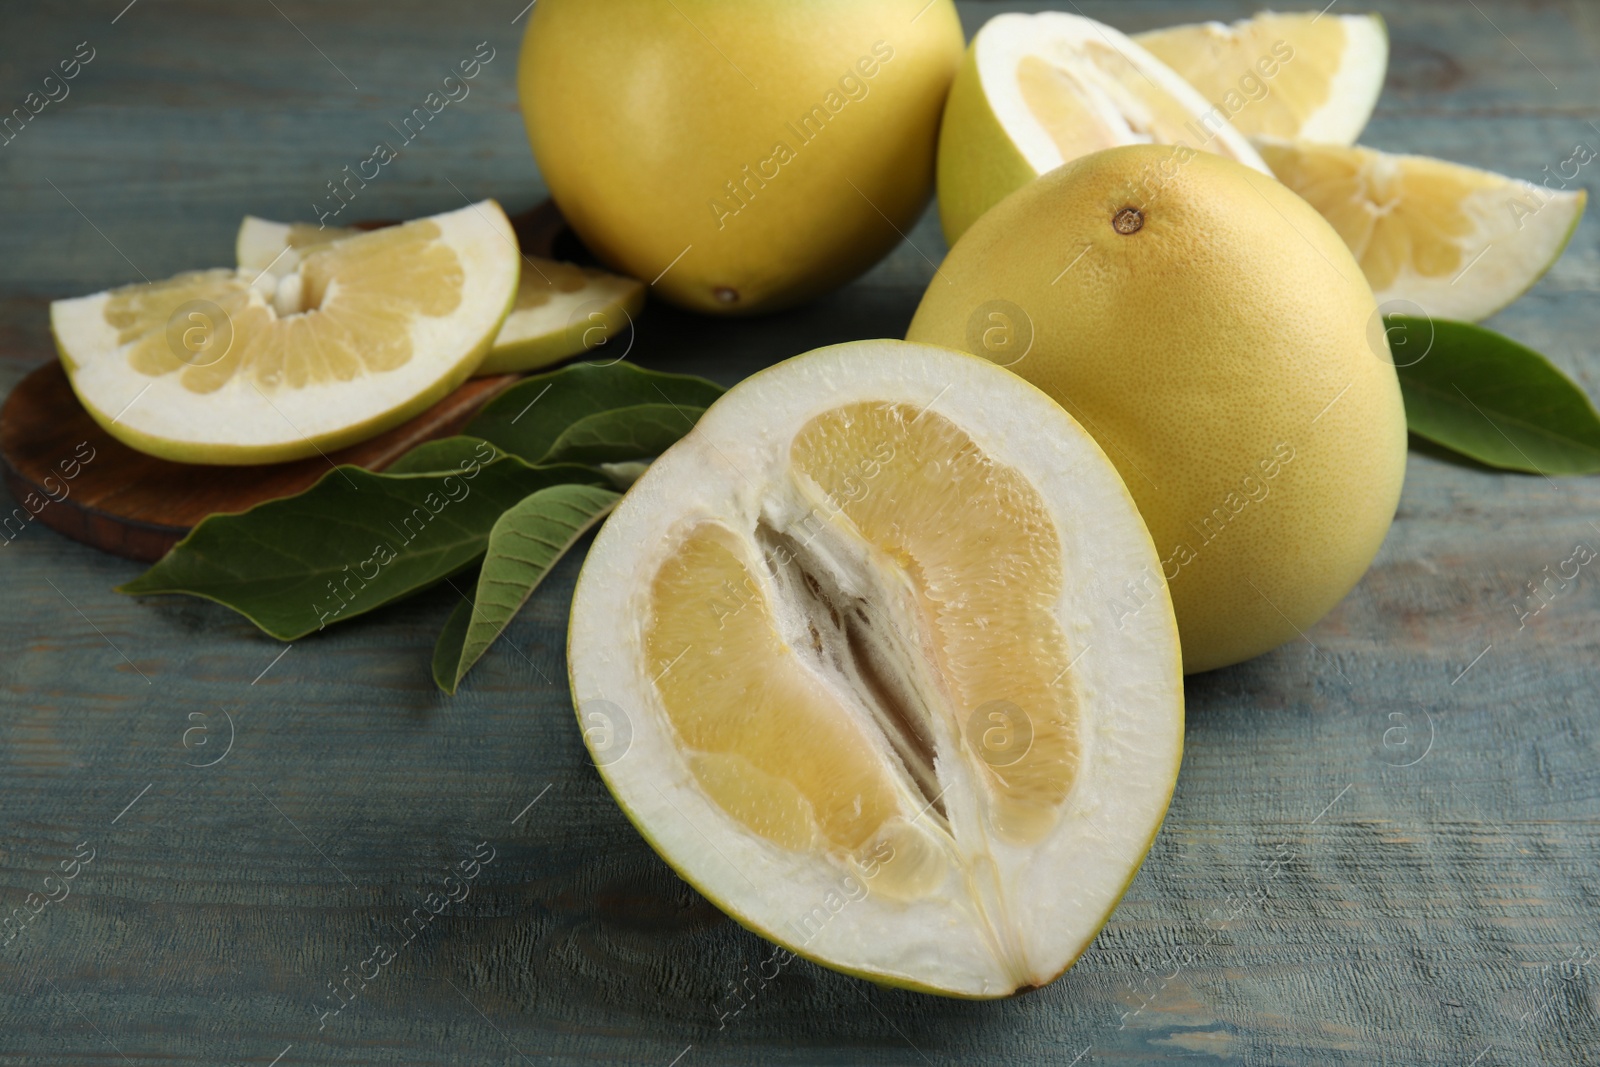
[(623, 434), (533, 418), (1487, 397), (446, 454), (354, 541), (525, 543)]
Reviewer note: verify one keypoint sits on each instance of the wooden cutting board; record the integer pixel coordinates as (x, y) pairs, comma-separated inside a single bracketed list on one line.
[(72, 476)]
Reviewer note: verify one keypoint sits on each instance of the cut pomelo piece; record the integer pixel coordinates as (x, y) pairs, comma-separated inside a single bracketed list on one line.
[(1038, 90), (853, 657), (235, 366), (561, 309), (1453, 241), (1307, 76)]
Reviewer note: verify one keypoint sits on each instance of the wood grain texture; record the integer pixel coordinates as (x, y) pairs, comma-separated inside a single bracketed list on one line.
[(1311, 899)]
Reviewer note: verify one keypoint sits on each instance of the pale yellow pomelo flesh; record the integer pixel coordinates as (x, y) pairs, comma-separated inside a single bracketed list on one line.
[(561, 309), (1311, 75), (1434, 238), (1038, 90), (240, 367), (1217, 338), (974, 533), (855, 629), (739, 157)]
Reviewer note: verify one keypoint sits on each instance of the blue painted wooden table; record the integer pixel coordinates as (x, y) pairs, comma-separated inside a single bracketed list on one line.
[(1384, 846)]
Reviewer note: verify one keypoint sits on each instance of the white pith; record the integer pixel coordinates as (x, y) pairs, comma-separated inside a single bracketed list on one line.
[(243, 414), (1044, 902), (263, 245), (1056, 36), (1355, 88)]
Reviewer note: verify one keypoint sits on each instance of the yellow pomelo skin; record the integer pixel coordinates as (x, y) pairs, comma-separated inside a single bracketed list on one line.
[(777, 170), (1228, 357), (978, 162)]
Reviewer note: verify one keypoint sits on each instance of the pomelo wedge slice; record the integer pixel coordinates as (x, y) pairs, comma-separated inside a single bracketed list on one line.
[(849, 656), (1038, 90), (1306, 76), (561, 309), (1432, 237), (235, 366)]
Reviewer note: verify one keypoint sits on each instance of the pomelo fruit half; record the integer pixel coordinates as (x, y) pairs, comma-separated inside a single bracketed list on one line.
[(843, 656), (561, 309), (1038, 90), (1216, 337), (1434, 238), (739, 157), (237, 366), (1307, 75)]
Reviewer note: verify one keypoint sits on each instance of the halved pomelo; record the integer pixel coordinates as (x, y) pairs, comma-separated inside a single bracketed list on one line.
[(1038, 90), (1307, 76), (235, 366), (1432, 237), (855, 657), (561, 309)]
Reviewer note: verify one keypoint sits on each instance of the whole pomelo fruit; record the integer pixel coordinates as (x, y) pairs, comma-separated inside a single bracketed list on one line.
[(743, 156), (1217, 338)]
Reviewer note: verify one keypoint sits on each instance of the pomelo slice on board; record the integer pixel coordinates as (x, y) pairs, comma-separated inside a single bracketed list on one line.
[(237, 366)]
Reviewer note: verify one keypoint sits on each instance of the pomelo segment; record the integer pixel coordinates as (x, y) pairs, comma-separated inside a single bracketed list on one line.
[(561, 309), (860, 629), (1308, 75), (1039, 90), (237, 366), (1432, 237)]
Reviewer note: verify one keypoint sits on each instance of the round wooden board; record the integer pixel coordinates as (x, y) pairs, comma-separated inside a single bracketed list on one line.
[(62, 468)]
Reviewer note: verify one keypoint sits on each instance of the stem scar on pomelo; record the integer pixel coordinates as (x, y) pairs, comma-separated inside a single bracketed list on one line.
[(877, 705), (1255, 421)]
